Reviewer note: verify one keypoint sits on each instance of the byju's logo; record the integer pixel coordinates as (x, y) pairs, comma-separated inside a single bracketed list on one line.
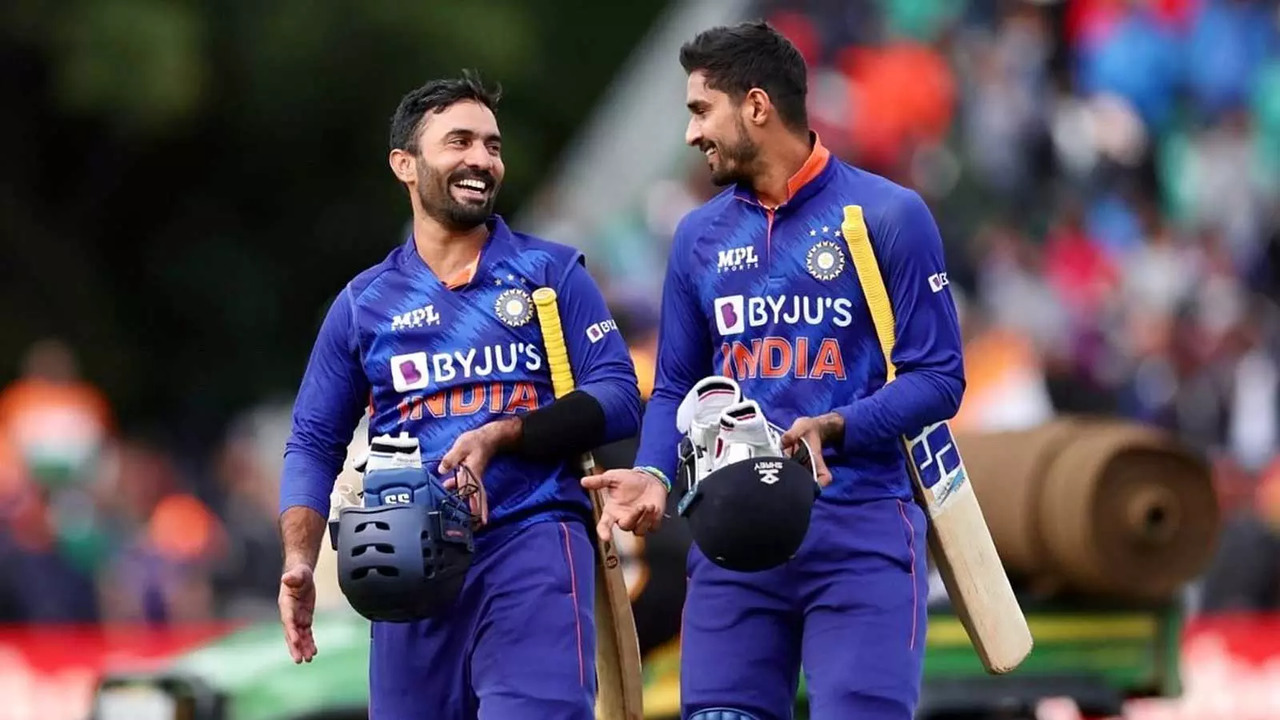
[(409, 372), (937, 281), (729, 314), (735, 313), (597, 331)]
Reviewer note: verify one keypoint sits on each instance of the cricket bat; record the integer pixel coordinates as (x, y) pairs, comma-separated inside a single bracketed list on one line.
[(959, 540), (619, 688)]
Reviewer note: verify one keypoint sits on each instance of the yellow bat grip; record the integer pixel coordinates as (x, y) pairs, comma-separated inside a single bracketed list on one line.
[(544, 302)]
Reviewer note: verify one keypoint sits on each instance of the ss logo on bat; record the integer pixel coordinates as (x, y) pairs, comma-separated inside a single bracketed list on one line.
[(936, 458)]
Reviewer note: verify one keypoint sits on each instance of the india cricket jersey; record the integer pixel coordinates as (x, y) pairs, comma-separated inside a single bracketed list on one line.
[(436, 359), (770, 297)]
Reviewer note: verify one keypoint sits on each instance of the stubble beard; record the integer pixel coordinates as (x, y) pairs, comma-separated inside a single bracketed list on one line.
[(737, 161), (439, 204)]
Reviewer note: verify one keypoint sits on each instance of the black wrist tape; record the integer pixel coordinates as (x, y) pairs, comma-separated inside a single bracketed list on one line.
[(570, 426)]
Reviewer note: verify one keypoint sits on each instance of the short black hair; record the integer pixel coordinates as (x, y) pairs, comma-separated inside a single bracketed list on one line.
[(749, 55), (436, 96)]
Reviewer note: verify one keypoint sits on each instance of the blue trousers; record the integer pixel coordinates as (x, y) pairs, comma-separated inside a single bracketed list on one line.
[(849, 610), (519, 643)]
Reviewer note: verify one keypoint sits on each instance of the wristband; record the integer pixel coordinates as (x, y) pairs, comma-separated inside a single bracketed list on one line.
[(661, 476)]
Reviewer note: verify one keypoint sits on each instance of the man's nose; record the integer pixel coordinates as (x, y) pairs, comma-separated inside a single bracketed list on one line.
[(479, 157)]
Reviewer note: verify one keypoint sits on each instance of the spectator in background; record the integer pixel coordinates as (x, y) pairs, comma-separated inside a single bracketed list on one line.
[(1220, 177), (1013, 290), (54, 430), (1245, 574), (638, 323), (1130, 49), (57, 422), (1227, 44), (247, 570), (168, 541), (1083, 277), (39, 584), (1004, 103)]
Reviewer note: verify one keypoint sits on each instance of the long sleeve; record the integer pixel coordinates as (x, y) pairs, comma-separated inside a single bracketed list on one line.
[(684, 358), (601, 360), (332, 395), (927, 354)]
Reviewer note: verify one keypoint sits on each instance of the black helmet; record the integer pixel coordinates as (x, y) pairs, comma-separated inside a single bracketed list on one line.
[(405, 556), (753, 514), (750, 510)]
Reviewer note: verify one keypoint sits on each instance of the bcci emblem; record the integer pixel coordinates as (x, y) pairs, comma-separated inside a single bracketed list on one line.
[(514, 307), (825, 260)]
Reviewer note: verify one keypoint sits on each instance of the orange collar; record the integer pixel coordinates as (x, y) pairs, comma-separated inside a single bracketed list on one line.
[(808, 172), (463, 276), (815, 163)]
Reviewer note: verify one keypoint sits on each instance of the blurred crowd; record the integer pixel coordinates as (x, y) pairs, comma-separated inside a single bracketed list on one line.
[(98, 525), (1106, 175)]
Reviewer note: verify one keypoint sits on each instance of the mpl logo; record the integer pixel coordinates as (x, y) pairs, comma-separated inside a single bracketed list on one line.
[(738, 258), (729, 315), (426, 315), (768, 471), (937, 281), (597, 331)]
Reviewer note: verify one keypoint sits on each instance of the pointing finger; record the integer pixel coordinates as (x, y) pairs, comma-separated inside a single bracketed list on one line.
[(600, 482)]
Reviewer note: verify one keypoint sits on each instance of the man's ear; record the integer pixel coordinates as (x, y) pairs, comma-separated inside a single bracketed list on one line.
[(404, 165), (757, 107)]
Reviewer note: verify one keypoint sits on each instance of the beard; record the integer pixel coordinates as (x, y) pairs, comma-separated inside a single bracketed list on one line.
[(736, 159), (434, 192)]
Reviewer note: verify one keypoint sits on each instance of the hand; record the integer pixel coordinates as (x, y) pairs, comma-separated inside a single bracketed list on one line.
[(817, 432), (634, 501), (473, 450), (297, 609)]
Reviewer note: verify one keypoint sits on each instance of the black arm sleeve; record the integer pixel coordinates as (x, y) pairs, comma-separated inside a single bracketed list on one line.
[(570, 426)]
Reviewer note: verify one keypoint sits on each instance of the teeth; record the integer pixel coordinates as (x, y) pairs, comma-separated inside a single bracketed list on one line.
[(476, 185)]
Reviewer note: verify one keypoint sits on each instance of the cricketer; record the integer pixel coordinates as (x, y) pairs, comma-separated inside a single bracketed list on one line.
[(760, 287), (440, 341)]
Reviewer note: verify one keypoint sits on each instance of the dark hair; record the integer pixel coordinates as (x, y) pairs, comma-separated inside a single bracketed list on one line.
[(436, 96), (749, 55)]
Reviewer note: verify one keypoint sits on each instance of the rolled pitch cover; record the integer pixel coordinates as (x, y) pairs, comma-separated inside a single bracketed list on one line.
[(1096, 507), (1004, 468)]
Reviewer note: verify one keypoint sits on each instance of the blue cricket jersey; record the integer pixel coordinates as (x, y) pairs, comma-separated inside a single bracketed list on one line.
[(435, 361), (770, 298)]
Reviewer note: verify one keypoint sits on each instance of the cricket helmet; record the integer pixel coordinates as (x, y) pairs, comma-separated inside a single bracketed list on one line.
[(404, 555), (750, 510)]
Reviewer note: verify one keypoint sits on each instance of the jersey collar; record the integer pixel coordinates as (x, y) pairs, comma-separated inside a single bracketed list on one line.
[(499, 236), (811, 176)]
